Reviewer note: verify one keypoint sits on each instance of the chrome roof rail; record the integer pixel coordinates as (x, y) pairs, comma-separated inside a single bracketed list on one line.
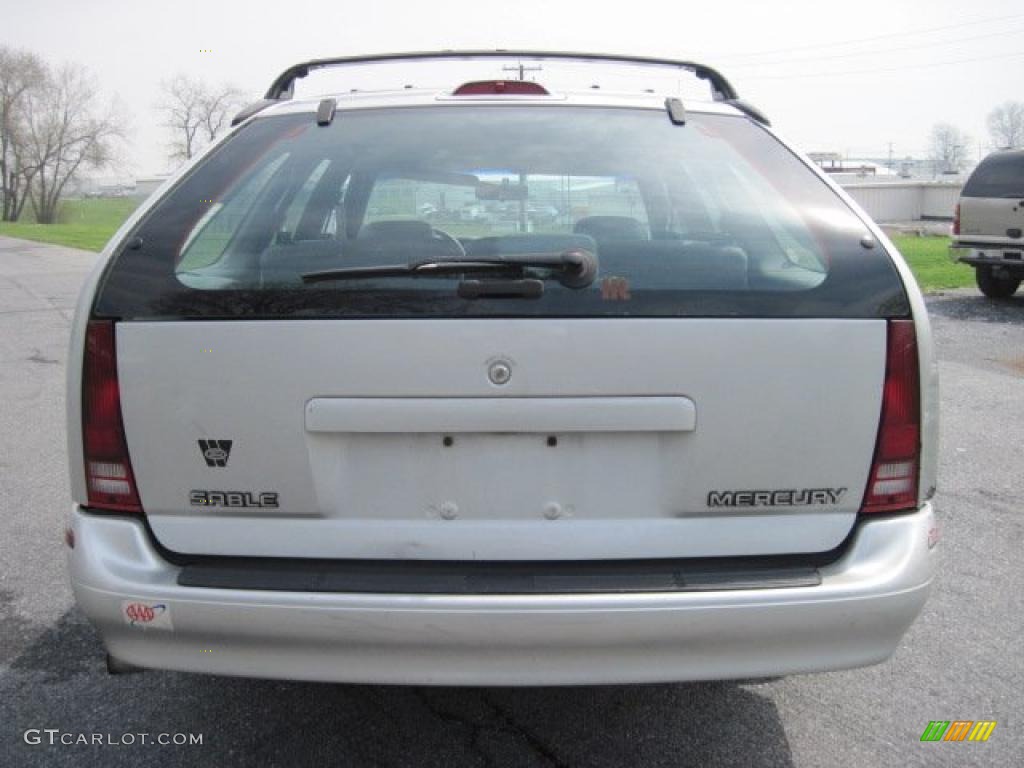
[(283, 86)]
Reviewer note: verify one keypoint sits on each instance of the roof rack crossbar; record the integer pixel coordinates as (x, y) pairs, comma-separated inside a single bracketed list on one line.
[(251, 109), (750, 110), (283, 85)]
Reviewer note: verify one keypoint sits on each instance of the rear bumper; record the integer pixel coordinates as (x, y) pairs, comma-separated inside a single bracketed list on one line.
[(855, 617), (1004, 253)]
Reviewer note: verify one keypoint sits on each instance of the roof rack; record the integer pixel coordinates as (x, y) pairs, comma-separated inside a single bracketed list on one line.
[(283, 86)]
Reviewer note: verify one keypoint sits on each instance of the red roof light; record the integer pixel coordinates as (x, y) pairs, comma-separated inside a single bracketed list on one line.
[(501, 87)]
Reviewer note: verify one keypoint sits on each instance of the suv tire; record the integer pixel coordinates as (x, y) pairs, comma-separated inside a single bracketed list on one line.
[(996, 287)]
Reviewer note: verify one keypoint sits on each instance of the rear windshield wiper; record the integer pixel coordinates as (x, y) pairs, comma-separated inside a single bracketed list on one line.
[(574, 268)]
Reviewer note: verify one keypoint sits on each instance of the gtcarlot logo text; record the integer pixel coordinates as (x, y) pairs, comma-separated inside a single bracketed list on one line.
[(54, 736)]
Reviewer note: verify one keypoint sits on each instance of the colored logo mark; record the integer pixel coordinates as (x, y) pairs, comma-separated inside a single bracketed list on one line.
[(615, 289), (215, 452), (958, 730), (140, 613)]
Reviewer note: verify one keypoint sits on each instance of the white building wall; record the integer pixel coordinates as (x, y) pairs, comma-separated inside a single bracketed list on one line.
[(940, 200), (906, 200), (147, 186)]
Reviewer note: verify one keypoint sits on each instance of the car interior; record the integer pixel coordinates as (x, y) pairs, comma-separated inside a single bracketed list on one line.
[(318, 215)]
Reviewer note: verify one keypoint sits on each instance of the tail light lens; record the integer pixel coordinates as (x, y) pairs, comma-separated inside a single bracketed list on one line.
[(956, 219), (894, 473), (108, 471)]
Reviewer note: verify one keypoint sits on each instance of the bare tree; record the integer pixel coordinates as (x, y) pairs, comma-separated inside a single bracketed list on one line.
[(218, 108), (1006, 125), (195, 113), (947, 148), (21, 73), (66, 132), (182, 110)]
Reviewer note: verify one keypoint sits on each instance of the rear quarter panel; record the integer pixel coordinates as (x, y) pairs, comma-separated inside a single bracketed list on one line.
[(83, 309), (927, 361)]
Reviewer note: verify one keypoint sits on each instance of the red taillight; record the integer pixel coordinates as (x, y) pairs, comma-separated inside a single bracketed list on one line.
[(892, 484), (486, 87), (956, 219), (108, 471)]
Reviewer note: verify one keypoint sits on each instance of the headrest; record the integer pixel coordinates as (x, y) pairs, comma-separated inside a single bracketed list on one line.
[(611, 228), (400, 229)]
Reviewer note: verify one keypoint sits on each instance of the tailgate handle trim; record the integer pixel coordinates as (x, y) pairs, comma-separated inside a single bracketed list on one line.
[(504, 414)]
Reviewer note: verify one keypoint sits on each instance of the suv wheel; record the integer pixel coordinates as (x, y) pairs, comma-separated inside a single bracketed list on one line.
[(996, 287)]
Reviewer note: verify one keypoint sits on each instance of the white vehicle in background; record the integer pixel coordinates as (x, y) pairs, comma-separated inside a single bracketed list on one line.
[(988, 229), (472, 213), (688, 432)]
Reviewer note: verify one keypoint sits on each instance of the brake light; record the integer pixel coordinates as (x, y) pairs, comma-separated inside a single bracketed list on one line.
[(956, 219), (108, 470), (894, 473), (505, 87)]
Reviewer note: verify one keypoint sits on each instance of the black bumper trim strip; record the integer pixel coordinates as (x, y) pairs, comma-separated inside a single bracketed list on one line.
[(494, 578)]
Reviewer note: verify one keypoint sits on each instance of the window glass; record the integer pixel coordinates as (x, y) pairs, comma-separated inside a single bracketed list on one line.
[(715, 217), (212, 234), (998, 175), (297, 207)]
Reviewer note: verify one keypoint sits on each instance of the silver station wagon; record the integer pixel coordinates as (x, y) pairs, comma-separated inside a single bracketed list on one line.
[(501, 383)]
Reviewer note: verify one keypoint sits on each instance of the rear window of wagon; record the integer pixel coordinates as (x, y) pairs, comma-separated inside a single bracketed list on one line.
[(712, 218), (998, 175)]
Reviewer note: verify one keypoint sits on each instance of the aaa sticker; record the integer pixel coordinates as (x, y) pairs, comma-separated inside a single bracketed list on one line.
[(143, 614)]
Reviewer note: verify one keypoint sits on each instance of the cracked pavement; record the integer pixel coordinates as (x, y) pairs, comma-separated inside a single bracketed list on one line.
[(963, 659)]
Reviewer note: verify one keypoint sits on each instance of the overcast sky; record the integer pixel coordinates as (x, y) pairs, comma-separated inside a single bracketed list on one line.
[(848, 77)]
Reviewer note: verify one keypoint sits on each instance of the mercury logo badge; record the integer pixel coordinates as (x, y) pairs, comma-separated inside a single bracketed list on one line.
[(802, 497), (215, 452)]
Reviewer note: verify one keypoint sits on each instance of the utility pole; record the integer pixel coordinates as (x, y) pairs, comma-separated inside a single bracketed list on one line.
[(522, 69), (523, 216), (524, 219)]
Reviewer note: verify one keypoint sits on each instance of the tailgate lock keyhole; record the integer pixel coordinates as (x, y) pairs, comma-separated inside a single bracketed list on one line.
[(553, 510), (499, 373)]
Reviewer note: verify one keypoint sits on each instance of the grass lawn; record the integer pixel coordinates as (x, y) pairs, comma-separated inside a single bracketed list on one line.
[(929, 258), (86, 224), (89, 224)]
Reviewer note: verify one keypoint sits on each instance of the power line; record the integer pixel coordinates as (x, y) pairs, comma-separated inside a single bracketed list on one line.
[(873, 38), (885, 69), (522, 69), (880, 52)]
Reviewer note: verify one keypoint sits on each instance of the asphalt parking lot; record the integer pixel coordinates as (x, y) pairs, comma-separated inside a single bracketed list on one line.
[(963, 659)]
